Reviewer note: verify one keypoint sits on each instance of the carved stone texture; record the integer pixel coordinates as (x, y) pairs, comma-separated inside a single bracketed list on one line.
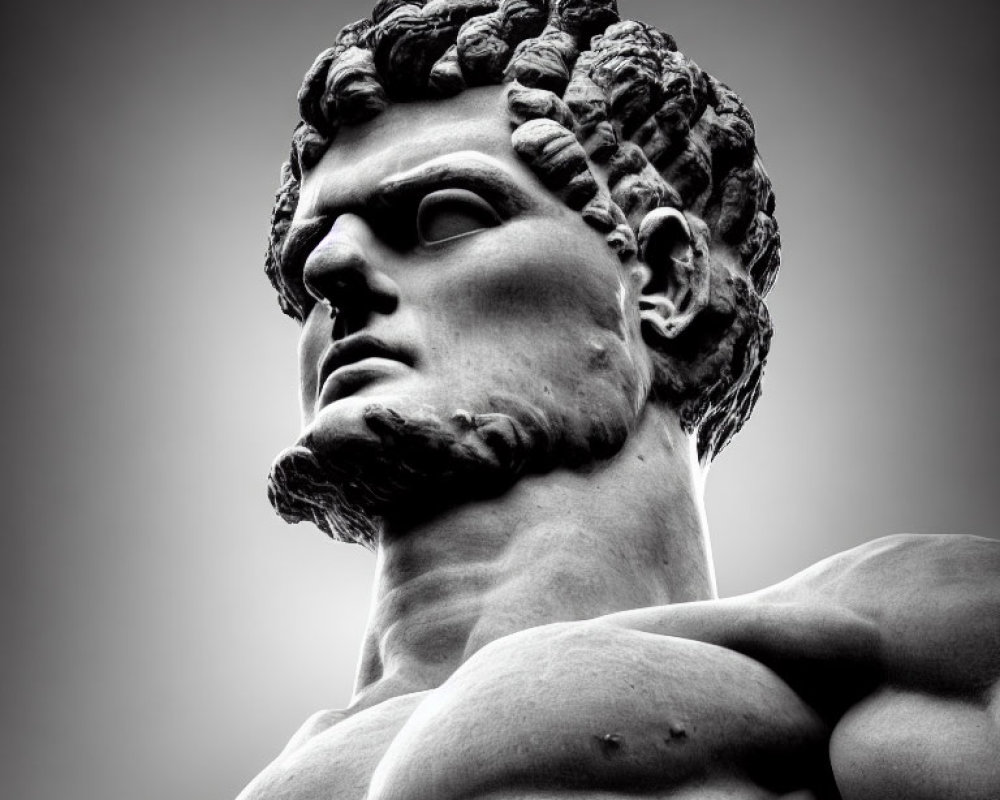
[(668, 133), (528, 244)]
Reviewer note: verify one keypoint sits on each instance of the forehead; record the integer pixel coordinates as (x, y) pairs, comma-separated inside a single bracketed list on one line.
[(406, 135)]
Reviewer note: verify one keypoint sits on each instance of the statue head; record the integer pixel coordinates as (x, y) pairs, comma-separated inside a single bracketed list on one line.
[(509, 229)]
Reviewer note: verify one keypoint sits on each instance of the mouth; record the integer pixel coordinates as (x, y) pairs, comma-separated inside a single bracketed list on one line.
[(356, 361)]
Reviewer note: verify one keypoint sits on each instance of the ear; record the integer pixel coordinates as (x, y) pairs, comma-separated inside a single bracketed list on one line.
[(675, 285)]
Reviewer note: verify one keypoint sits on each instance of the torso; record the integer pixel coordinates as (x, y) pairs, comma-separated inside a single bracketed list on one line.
[(883, 659), (570, 710)]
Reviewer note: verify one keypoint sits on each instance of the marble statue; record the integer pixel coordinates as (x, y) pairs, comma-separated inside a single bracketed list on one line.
[(528, 245)]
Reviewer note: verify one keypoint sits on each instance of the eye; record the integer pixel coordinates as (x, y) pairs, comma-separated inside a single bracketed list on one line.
[(452, 213)]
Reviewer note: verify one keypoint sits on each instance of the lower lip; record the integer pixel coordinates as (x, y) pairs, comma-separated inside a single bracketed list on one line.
[(354, 377)]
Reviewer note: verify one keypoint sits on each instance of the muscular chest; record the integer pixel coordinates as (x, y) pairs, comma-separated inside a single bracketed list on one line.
[(561, 709)]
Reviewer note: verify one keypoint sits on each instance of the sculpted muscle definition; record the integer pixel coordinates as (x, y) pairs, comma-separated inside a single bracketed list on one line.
[(528, 243)]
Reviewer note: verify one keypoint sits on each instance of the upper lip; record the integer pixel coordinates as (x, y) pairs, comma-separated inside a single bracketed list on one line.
[(356, 347)]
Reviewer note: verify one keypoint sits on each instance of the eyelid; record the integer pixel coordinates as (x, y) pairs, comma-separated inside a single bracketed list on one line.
[(455, 171), (489, 216)]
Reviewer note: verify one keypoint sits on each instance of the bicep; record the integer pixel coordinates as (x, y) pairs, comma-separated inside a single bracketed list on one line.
[(908, 744)]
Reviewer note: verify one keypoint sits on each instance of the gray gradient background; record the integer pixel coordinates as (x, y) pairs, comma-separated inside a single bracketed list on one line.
[(163, 632)]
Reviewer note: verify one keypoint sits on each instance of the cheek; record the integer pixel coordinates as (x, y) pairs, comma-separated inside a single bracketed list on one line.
[(532, 275), (553, 318)]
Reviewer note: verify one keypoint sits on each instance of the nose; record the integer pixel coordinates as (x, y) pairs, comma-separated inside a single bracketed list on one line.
[(343, 273)]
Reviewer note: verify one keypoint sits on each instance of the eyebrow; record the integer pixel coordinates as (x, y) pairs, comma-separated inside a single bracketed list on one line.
[(402, 190), (463, 170)]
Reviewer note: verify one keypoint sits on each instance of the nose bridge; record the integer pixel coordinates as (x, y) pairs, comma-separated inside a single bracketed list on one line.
[(344, 272)]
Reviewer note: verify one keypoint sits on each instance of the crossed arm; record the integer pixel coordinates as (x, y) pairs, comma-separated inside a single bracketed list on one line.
[(897, 643)]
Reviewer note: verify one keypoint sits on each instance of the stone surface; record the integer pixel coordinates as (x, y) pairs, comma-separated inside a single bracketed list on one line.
[(528, 245)]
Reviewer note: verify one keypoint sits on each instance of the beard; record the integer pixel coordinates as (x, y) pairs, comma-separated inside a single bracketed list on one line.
[(398, 459)]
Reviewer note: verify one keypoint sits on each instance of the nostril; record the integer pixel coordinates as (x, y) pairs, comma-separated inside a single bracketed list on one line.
[(342, 287), (357, 296), (350, 319), (384, 303), (340, 328)]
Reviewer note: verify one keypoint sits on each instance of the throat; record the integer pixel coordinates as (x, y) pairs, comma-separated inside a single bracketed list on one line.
[(428, 621), (557, 547)]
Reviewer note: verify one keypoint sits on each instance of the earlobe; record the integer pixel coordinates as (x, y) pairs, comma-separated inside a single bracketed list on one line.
[(675, 286)]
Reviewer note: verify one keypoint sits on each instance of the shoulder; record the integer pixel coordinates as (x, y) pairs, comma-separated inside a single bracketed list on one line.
[(932, 602), (287, 769), (315, 725), (942, 558), (935, 577), (957, 574), (333, 749), (907, 610)]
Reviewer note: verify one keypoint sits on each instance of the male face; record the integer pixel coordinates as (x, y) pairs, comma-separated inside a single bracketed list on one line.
[(477, 316)]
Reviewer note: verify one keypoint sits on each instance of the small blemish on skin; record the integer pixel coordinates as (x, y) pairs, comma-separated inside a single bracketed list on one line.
[(610, 743), (677, 734), (599, 358)]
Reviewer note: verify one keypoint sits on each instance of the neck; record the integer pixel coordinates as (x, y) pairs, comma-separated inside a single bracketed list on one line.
[(567, 545)]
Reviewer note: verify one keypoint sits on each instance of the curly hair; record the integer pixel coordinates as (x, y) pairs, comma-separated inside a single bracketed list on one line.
[(583, 87)]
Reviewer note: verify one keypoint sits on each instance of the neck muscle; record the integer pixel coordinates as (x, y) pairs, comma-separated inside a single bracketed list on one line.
[(563, 546)]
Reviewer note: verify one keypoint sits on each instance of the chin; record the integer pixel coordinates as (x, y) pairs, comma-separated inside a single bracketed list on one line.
[(363, 459)]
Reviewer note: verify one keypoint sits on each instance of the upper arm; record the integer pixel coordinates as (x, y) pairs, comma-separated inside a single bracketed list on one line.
[(912, 745), (932, 727)]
